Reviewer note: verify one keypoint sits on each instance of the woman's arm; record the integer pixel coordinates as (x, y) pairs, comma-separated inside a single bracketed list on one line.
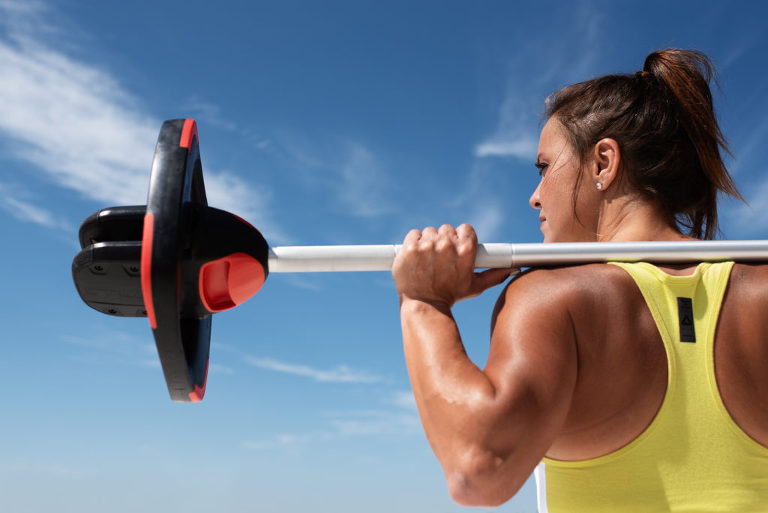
[(488, 428)]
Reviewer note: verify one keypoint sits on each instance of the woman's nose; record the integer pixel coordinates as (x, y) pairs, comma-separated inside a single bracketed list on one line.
[(533, 201)]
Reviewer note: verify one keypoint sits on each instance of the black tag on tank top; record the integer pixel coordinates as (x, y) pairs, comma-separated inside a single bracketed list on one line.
[(685, 314)]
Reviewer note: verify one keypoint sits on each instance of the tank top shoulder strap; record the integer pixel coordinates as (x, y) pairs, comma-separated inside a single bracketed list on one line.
[(670, 298)]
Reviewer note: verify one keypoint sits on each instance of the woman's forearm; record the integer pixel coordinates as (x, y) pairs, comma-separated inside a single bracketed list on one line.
[(451, 391)]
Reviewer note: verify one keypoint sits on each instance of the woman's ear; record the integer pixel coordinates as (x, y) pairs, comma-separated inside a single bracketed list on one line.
[(607, 158)]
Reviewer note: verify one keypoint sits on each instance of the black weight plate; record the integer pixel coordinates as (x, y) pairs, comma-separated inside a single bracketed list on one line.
[(182, 337)]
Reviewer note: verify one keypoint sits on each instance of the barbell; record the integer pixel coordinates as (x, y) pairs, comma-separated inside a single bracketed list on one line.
[(178, 261)]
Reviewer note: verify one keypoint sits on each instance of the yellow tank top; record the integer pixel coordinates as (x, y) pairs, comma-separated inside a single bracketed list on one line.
[(692, 457)]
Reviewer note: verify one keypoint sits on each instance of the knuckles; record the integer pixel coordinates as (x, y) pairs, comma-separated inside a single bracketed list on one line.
[(444, 244), (446, 240)]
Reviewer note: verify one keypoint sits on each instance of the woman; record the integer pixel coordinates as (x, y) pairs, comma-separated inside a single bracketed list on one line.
[(627, 387)]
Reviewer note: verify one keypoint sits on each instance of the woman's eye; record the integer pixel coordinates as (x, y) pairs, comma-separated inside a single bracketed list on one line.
[(541, 167)]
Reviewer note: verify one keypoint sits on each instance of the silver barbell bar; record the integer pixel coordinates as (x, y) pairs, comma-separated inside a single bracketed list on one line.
[(305, 259)]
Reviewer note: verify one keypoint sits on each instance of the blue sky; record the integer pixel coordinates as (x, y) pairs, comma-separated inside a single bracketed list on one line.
[(321, 123)]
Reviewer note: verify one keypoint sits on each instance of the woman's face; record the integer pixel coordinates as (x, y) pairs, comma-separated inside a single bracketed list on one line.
[(559, 167)]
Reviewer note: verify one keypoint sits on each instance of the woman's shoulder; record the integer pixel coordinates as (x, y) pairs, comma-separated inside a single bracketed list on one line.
[(566, 287), (749, 282), (569, 280)]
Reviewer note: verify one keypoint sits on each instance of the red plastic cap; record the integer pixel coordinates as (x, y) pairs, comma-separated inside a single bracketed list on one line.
[(230, 281)]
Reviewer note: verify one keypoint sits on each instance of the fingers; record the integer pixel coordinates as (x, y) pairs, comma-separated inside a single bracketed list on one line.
[(461, 241), (490, 278), (411, 239), (431, 236), (466, 232), (437, 264)]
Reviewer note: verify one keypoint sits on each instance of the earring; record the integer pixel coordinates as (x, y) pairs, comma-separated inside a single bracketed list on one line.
[(599, 186)]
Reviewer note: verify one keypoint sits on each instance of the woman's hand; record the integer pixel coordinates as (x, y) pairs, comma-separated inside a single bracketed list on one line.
[(437, 266)]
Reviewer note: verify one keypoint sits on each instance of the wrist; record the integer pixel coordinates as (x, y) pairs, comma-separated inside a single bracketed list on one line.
[(409, 305)]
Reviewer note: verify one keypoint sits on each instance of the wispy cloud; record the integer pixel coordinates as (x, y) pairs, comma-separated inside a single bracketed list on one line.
[(338, 374), (285, 440), (751, 220), (78, 124), (209, 113), (20, 7), (515, 134), (398, 416), (74, 122), (217, 368), (487, 219), (15, 200), (533, 74), (750, 145), (485, 207), (376, 422), (540, 66), (402, 399), (111, 346), (363, 183), (42, 469)]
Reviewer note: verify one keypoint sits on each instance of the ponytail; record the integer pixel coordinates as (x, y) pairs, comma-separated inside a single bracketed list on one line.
[(664, 122)]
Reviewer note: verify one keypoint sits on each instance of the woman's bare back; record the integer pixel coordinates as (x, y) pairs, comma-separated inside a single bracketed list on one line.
[(622, 376)]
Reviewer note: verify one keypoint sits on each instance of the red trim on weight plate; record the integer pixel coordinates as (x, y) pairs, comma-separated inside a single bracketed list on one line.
[(197, 395), (188, 133), (146, 268)]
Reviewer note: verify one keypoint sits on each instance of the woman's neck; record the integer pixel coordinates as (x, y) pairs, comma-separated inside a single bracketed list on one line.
[(630, 220)]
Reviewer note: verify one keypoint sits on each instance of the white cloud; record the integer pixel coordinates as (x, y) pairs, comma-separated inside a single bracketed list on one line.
[(347, 168), (515, 133), (78, 124), (751, 219), (109, 347), (540, 67), (377, 422), (20, 6), (209, 113), (749, 146), (339, 374), (522, 146), (230, 192), (487, 219), (403, 419), (403, 399), (285, 440), (74, 122), (362, 183), (24, 210), (216, 368), (42, 469)]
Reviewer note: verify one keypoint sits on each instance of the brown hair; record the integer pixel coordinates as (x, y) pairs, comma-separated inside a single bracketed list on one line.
[(664, 122)]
